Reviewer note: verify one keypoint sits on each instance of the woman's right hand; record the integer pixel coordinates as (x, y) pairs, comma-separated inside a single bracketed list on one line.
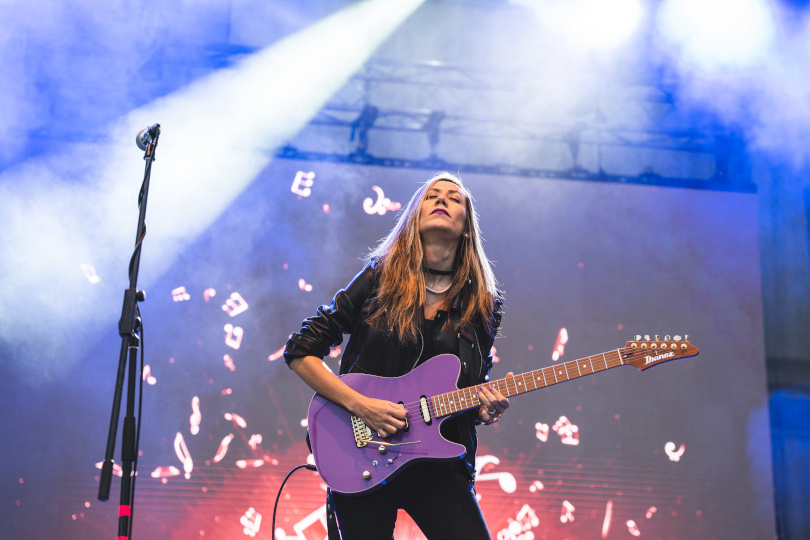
[(384, 417)]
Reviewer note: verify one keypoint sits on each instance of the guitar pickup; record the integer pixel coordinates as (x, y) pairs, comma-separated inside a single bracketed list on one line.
[(407, 426), (423, 408)]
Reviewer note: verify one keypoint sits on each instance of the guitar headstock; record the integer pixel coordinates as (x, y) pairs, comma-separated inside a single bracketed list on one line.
[(645, 352)]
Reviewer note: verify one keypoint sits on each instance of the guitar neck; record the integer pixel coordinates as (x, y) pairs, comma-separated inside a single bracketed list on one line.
[(467, 398)]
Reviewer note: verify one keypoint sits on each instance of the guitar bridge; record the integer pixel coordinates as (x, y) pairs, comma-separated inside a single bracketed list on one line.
[(362, 433)]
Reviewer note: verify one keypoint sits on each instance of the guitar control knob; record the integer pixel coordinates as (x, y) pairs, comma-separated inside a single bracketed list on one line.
[(366, 475), (382, 449)]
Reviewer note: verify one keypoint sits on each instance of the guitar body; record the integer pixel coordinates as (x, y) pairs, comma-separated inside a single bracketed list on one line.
[(342, 464)]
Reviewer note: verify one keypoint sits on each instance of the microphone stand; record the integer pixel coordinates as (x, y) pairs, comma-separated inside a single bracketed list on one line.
[(130, 329)]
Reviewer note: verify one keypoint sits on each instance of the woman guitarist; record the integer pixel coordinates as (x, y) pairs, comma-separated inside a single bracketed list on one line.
[(427, 289)]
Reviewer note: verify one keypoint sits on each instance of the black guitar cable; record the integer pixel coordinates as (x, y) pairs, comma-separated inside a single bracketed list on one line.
[(278, 495)]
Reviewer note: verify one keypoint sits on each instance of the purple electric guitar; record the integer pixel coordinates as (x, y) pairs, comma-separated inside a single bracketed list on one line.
[(353, 460)]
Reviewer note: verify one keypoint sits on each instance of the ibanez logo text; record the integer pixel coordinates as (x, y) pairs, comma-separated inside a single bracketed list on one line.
[(651, 359)]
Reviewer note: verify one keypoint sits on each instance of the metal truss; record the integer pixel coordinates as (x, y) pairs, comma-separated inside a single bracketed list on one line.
[(379, 98)]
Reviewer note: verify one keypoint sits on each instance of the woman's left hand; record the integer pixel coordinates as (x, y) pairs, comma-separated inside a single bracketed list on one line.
[(493, 403)]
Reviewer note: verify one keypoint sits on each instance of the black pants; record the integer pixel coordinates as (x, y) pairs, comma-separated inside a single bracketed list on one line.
[(439, 497)]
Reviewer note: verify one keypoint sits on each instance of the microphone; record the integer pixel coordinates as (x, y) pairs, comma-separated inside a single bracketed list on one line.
[(147, 135)]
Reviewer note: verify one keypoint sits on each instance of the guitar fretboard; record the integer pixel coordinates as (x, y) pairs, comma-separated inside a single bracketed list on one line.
[(467, 398)]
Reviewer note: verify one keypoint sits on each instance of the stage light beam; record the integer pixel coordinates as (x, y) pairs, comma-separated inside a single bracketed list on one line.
[(218, 133)]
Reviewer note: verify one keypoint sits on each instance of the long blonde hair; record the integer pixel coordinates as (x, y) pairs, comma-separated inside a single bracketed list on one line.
[(399, 264)]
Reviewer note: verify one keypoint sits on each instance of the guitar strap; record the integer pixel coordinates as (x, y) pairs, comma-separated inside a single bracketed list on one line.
[(331, 521)]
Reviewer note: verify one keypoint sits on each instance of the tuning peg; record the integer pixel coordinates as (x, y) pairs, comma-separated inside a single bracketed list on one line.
[(637, 338), (646, 337), (677, 338), (657, 338), (667, 338), (686, 337)]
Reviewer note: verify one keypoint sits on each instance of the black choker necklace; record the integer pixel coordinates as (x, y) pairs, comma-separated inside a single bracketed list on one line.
[(439, 272)]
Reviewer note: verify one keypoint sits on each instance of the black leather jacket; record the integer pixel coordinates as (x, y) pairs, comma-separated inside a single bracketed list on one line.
[(373, 351)]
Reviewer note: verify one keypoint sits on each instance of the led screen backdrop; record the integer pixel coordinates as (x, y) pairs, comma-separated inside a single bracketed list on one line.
[(680, 451)]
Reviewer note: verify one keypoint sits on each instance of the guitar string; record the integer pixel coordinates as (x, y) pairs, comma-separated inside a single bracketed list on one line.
[(608, 364), (415, 406)]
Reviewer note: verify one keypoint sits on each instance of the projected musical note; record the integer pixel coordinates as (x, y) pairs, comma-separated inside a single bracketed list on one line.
[(229, 362), (180, 295), (381, 205), (235, 305), (608, 519), (669, 448), (117, 470), (183, 454), (536, 486), (196, 416), (90, 273), (302, 182), (559, 346), (567, 513), (147, 375), (164, 472), (245, 463), (650, 511), (223, 448), (505, 480), (254, 441), (276, 355), (568, 432), (518, 528), (304, 286), (633, 528), (527, 518), (208, 294), (236, 419), (251, 521), (233, 336), (312, 526), (542, 431)]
